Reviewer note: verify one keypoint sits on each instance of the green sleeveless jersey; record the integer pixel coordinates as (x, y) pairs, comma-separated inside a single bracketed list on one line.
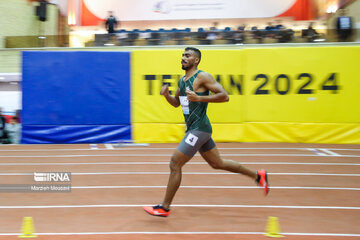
[(194, 112)]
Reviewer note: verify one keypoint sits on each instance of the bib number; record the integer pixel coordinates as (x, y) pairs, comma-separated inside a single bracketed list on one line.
[(184, 104), (191, 139)]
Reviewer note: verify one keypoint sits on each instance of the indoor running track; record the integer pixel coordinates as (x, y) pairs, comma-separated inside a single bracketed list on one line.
[(315, 192)]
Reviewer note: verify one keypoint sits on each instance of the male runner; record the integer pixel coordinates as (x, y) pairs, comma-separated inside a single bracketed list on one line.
[(193, 94)]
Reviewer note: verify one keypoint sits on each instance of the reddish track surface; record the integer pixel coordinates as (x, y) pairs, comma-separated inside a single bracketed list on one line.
[(308, 198)]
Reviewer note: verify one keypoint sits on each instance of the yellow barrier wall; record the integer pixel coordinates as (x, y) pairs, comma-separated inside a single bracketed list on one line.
[(150, 69), (302, 94), (313, 85)]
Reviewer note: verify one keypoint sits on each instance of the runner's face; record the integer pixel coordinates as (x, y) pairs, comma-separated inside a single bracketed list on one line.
[(188, 60)]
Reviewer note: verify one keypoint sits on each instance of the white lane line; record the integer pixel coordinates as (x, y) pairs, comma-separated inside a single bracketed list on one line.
[(167, 163), (323, 234), (344, 149), (109, 146), (189, 173), (216, 187), (187, 233), (164, 148), (316, 174), (121, 145), (314, 150), (169, 155), (142, 148), (180, 205), (93, 146), (329, 152)]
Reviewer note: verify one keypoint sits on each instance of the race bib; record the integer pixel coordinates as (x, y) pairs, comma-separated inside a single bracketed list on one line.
[(184, 104), (191, 139)]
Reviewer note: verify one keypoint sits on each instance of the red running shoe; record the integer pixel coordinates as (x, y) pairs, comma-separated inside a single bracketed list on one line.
[(157, 210), (263, 181)]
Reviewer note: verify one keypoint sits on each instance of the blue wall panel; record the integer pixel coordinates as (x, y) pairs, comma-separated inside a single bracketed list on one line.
[(42, 134), (75, 91)]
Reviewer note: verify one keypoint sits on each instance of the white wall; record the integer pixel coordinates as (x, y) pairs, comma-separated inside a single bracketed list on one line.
[(10, 101), (140, 10)]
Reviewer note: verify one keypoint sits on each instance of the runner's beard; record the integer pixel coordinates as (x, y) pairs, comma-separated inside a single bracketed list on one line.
[(185, 67)]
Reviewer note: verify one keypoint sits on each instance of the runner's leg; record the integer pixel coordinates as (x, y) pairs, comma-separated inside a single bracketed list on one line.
[(178, 160), (215, 161), (212, 156)]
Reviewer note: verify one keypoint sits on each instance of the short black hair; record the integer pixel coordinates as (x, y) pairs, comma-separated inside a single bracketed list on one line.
[(197, 52)]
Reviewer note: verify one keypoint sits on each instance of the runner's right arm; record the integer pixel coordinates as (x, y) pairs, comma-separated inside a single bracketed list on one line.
[(173, 100)]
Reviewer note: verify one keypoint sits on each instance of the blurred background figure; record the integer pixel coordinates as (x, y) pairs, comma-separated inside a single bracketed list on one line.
[(270, 27), (18, 115), (214, 27), (13, 130), (270, 30), (239, 34), (279, 25), (2, 125), (111, 23), (256, 34), (211, 37), (284, 35), (343, 26), (310, 33)]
